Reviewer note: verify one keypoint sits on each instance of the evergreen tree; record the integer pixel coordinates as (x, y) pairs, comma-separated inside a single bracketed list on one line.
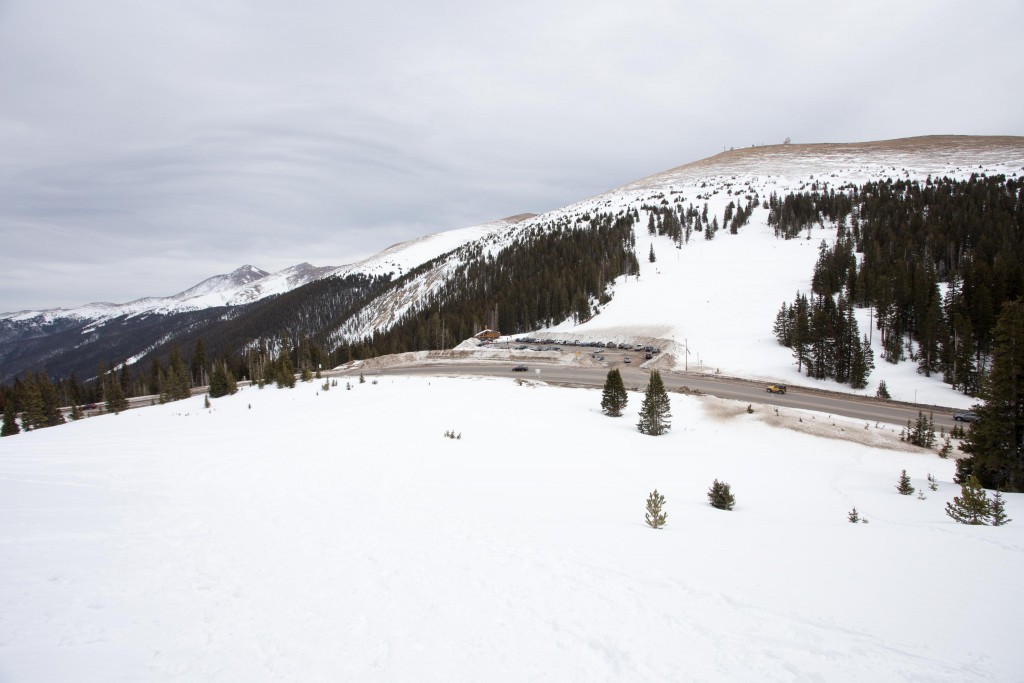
[(614, 396), (654, 517), (285, 372), (51, 401), (218, 381), (971, 506), (720, 496), (655, 410), (998, 510), (995, 442), (34, 413), (200, 366), (651, 257), (883, 390), (904, 486), (10, 426), (853, 516), (115, 398), (932, 484)]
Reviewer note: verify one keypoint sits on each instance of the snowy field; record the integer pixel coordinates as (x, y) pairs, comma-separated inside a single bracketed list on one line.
[(303, 535)]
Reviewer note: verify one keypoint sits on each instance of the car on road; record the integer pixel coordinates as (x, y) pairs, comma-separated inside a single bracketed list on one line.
[(520, 368), (627, 359), (776, 388), (965, 416)]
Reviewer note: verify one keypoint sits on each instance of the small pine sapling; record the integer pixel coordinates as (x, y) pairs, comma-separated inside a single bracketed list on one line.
[(904, 486), (750, 409), (972, 505), (655, 517), (932, 484), (920, 494), (853, 516), (362, 380), (720, 496), (883, 391), (947, 448), (206, 401), (997, 510)]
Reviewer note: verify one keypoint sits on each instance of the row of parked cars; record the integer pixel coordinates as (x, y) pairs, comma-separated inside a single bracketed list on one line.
[(549, 343)]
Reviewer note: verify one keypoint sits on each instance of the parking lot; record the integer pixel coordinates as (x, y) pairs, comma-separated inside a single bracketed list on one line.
[(608, 353)]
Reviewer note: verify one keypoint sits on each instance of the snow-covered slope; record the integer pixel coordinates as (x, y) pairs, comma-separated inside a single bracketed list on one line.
[(265, 540), (718, 299)]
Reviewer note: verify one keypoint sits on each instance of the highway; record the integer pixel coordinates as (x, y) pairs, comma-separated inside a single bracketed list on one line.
[(636, 378), (834, 403)]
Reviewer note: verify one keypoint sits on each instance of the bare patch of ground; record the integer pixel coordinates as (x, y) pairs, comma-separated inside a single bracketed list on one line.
[(876, 435)]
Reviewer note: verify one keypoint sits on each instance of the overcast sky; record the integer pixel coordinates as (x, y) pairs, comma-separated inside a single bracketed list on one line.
[(148, 144)]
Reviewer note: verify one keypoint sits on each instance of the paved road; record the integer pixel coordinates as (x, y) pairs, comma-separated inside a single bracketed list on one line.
[(864, 408)]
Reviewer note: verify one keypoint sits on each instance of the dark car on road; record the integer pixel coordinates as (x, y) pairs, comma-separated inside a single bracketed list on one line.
[(965, 416), (520, 368)]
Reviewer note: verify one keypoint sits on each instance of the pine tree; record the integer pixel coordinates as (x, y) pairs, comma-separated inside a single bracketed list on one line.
[(998, 510), (10, 426), (34, 413), (654, 517), (883, 391), (947, 449), (904, 486), (655, 411), (285, 372), (362, 380), (853, 516), (614, 396), (218, 381), (115, 398), (651, 257), (51, 401), (720, 496), (971, 506), (995, 442), (932, 484)]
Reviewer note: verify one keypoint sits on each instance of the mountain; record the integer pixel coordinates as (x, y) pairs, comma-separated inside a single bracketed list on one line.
[(712, 302), (697, 260), (69, 340)]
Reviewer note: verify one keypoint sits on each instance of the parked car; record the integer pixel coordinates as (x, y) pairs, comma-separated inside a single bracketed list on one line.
[(627, 359), (520, 368), (965, 416)]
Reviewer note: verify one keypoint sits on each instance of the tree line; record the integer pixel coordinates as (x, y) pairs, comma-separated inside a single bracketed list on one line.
[(937, 262)]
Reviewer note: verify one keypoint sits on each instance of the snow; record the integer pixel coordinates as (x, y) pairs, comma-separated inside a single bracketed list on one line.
[(296, 535)]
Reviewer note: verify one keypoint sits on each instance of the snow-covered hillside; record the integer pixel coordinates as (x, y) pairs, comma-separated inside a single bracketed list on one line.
[(303, 535), (718, 299)]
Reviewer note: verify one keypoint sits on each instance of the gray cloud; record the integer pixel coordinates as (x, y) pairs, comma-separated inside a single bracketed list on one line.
[(147, 145)]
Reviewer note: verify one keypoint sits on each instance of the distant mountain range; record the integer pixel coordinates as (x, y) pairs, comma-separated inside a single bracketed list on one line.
[(398, 289)]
